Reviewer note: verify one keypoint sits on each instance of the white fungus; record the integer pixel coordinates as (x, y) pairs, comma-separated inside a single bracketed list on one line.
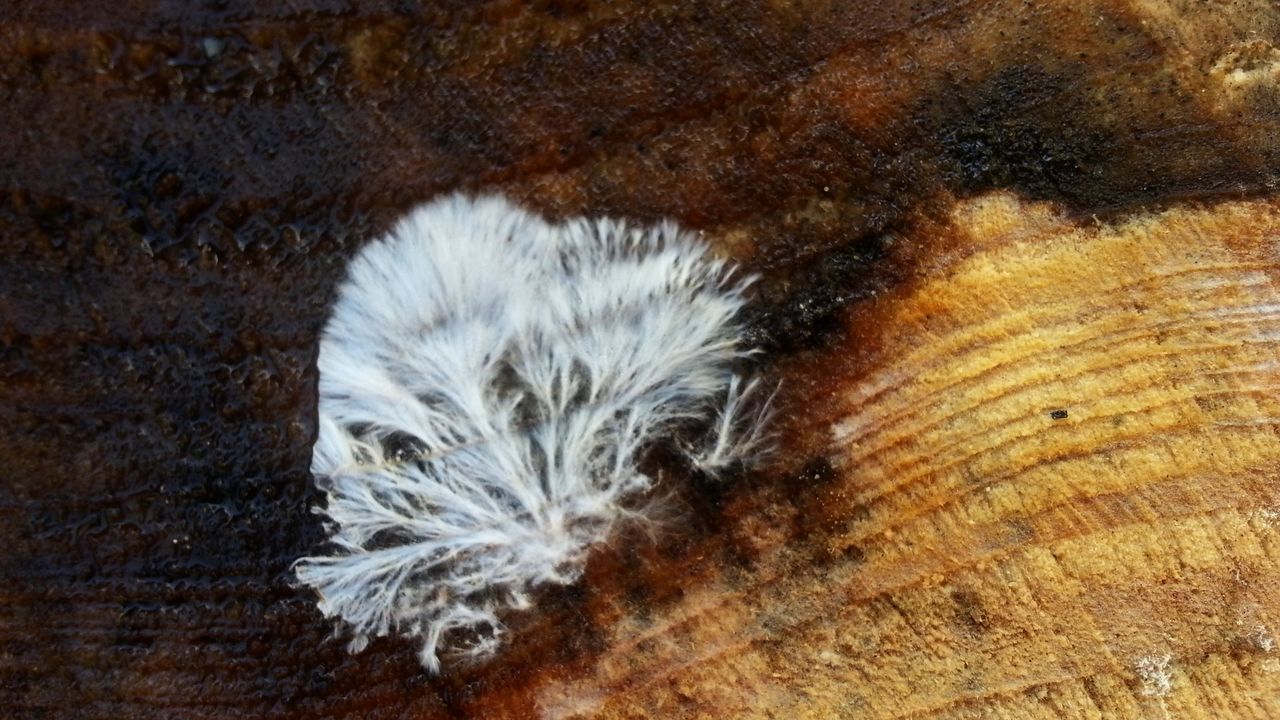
[(488, 383)]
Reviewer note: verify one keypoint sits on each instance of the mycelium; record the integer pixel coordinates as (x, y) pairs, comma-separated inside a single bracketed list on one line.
[(488, 384)]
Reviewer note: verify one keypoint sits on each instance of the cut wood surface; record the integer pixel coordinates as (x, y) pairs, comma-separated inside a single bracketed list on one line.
[(1057, 499), (1019, 283)]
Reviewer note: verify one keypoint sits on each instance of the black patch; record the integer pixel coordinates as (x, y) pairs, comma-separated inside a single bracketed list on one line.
[(816, 473), (970, 613), (808, 313)]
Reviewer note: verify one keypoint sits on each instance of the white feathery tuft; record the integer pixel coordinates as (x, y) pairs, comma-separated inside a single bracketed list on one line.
[(740, 430), (488, 382)]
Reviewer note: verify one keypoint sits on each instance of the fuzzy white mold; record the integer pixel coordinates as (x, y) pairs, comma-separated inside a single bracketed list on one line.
[(487, 383)]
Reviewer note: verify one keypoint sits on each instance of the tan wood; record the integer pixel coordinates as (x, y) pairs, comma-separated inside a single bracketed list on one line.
[(966, 215), (973, 555)]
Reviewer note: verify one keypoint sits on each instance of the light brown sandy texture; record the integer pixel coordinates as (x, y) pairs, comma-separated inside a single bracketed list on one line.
[(980, 558)]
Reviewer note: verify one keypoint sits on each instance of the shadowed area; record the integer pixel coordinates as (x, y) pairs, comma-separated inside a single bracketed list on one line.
[(183, 183)]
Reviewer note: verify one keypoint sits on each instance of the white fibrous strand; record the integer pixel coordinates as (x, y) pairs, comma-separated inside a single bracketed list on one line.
[(740, 429), (488, 384)]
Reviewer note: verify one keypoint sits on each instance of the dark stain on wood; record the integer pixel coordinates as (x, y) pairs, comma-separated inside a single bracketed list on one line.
[(183, 183)]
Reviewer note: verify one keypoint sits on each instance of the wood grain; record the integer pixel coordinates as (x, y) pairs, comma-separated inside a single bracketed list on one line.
[(1058, 499), (967, 215)]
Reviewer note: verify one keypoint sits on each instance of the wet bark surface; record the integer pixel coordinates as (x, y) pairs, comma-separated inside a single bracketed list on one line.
[(183, 183)]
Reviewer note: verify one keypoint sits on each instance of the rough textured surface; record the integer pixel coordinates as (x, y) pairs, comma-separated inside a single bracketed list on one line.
[(182, 183)]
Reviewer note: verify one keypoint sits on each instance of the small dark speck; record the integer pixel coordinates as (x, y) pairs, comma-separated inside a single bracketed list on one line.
[(1058, 414)]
